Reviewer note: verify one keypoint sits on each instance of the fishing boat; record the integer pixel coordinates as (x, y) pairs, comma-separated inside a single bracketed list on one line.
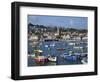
[(60, 49), (52, 58), (41, 59)]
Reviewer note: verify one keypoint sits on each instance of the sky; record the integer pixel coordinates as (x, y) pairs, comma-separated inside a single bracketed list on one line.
[(64, 21)]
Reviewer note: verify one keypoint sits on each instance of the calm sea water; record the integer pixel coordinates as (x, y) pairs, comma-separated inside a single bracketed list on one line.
[(50, 48)]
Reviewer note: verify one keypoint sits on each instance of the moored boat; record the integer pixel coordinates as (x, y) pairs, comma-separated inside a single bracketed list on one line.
[(84, 60), (31, 55), (38, 51), (41, 59), (64, 55), (52, 58), (71, 58), (78, 47), (71, 44)]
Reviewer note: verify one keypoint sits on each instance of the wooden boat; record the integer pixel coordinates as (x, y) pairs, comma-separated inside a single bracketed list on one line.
[(41, 59)]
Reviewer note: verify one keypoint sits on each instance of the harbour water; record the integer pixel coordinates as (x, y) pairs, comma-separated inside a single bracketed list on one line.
[(51, 48)]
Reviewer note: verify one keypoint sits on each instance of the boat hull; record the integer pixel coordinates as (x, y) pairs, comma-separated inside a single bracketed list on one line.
[(41, 59)]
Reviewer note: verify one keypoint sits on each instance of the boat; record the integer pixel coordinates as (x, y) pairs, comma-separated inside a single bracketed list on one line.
[(78, 55), (31, 55), (46, 46), (71, 58), (38, 51), (84, 60), (71, 43), (60, 49), (52, 58), (78, 47), (41, 59), (64, 55), (84, 54)]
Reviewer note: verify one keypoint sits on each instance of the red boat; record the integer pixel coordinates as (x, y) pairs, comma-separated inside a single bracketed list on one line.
[(41, 59)]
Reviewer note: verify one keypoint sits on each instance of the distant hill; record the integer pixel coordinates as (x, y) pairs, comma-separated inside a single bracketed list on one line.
[(54, 28)]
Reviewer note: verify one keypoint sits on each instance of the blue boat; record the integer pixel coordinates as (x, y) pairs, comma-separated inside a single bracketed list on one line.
[(71, 58)]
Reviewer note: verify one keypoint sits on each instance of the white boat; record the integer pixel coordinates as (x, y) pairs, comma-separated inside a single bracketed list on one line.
[(39, 51), (84, 60), (31, 55), (71, 43), (46, 45), (78, 47), (53, 59)]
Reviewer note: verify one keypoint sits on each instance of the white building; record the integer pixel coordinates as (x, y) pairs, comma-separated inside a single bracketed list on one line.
[(33, 37), (66, 37)]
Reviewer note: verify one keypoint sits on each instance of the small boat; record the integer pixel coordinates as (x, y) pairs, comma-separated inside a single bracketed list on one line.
[(31, 55), (84, 60), (39, 51), (40, 59), (77, 47), (46, 46), (64, 55), (52, 58), (83, 55), (71, 43), (60, 49), (71, 58), (78, 55)]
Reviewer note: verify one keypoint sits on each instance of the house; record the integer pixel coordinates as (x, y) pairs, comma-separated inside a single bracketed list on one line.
[(33, 37), (66, 37)]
